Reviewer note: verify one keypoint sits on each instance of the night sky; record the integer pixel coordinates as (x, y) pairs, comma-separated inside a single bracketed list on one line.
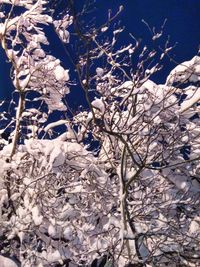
[(183, 27)]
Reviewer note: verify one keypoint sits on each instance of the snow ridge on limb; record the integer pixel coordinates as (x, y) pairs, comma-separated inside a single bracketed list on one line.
[(186, 71), (191, 100)]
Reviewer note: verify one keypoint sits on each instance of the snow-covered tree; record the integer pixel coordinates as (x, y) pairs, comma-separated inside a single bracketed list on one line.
[(133, 198)]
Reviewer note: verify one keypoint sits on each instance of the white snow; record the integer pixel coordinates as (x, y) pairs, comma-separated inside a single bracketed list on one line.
[(54, 124), (188, 70), (194, 227), (54, 256), (190, 101), (6, 262), (2, 28), (99, 72), (37, 218), (126, 85), (98, 104), (68, 233), (52, 230), (104, 29), (61, 73)]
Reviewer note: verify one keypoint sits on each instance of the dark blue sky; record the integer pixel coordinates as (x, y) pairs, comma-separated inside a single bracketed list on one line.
[(183, 21), (183, 27)]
